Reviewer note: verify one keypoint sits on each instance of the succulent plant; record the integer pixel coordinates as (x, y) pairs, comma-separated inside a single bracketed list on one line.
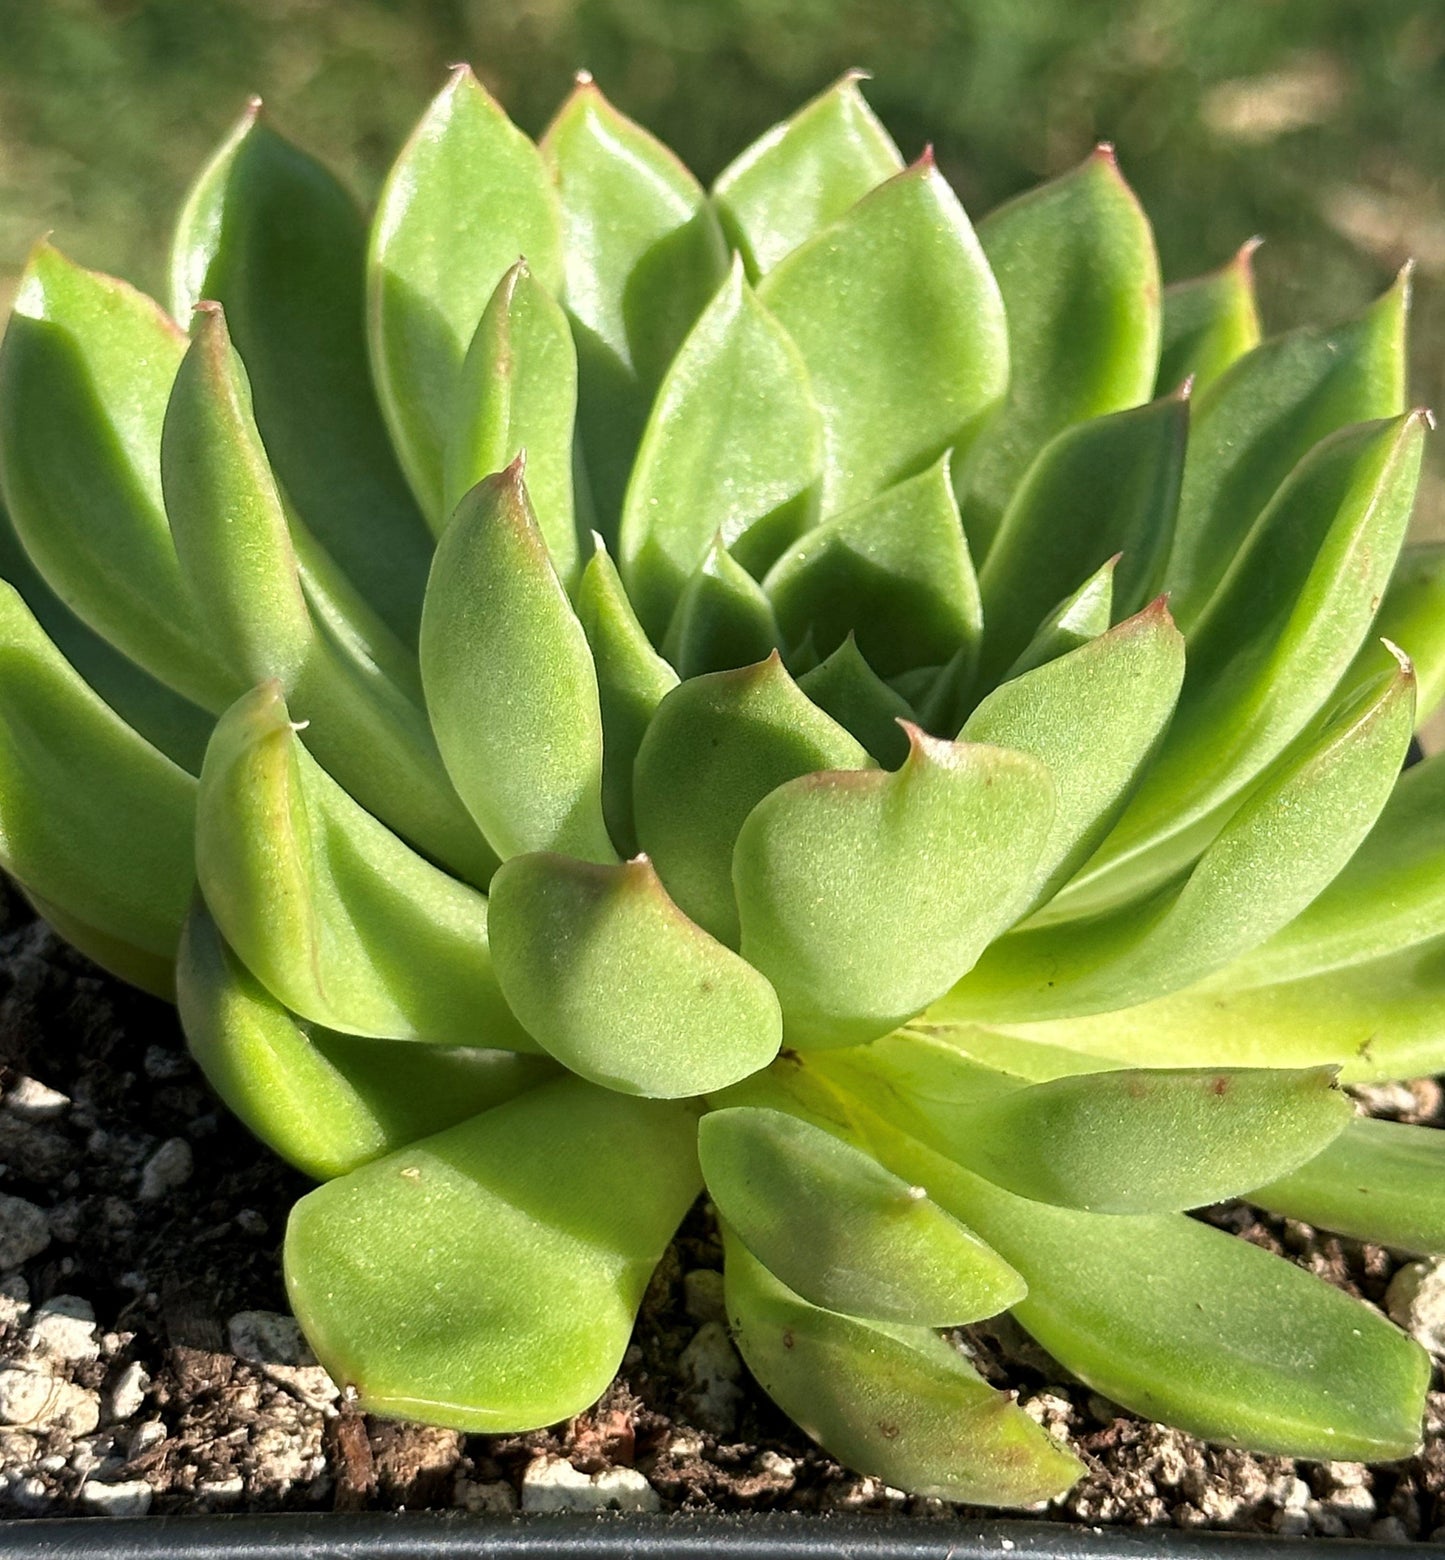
[(769, 687)]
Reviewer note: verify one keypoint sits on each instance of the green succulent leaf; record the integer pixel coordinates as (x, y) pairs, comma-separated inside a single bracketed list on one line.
[(898, 1403), (337, 917), (722, 619), (1104, 488), (325, 1102), (1186, 1324), (481, 1279), (643, 253), (1076, 265), (901, 326), (732, 451), (848, 689), (510, 681), (894, 570), (823, 863), (757, 730), (609, 976), (804, 174), (1121, 688), (1082, 615), (1379, 1181), (1260, 419), (839, 1230), (1276, 854), (94, 821), (632, 680), (1210, 322), (516, 393), (468, 194), (151, 972), (85, 371), (1265, 660), (268, 233), (1411, 616)]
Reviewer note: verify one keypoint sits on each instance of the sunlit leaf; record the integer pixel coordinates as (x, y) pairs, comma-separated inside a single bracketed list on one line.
[(1082, 615), (1210, 321), (722, 620), (848, 689)]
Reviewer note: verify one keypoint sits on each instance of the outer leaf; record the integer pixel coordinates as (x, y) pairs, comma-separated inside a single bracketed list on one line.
[(722, 619), (468, 195), (632, 680), (85, 370), (325, 1102), (1378, 1181), (1075, 262), (1276, 642), (1285, 845), (517, 392), (643, 253), (604, 970), (901, 327), (93, 820), (270, 234), (1120, 688), (1210, 322), (804, 174), (1082, 615), (733, 450), (1102, 489), (894, 570), (510, 680), (1185, 1324), (823, 862), (1412, 616), (898, 1403), (849, 690), (483, 1280), (843, 1233), (336, 917), (1254, 425), (152, 972), (757, 731)]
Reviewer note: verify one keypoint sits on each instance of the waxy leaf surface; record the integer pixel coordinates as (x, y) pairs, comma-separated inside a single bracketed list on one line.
[(847, 688), (1411, 616), (723, 619), (1082, 615), (1210, 322)]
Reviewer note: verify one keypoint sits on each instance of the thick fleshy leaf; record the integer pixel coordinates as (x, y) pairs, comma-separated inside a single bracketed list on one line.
[(1076, 265), (338, 918), (610, 977), (849, 690), (1265, 660), (468, 194), (643, 252), (898, 1403), (1256, 423), (1120, 688), (482, 1279), (804, 174), (839, 1230), (325, 1102), (1082, 615), (1379, 1181), (517, 392), (1104, 488), (1277, 853), (757, 730), (510, 681), (1186, 1324), (85, 370), (722, 620), (1141, 1141), (901, 326), (824, 863), (894, 571), (1210, 321), (632, 680), (93, 820), (268, 233), (733, 451), (1411, 616), (152, 972)]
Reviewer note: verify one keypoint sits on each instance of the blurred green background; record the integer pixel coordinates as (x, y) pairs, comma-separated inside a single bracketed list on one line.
[(1319, 124)]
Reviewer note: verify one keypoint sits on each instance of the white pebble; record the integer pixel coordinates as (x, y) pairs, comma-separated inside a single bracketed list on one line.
[(711, 1367), (131, 1498), (168, 1168), (553, 1484), (32, 1100), (127, 1392), (268, 1338), (24, 1395), (64, 1329), (24, 1231), (489, 1497)]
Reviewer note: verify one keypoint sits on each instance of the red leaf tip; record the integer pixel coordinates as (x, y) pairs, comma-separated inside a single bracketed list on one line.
[(583, 78), (926, 159), (1104, 152), (517, 471)]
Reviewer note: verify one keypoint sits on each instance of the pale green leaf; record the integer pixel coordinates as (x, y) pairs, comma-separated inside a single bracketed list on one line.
[(1082, 615), (1210, 321), (722, 619), (848, 689)]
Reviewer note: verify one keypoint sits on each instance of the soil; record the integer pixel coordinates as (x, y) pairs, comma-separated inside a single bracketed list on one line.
[(147, 1364)]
